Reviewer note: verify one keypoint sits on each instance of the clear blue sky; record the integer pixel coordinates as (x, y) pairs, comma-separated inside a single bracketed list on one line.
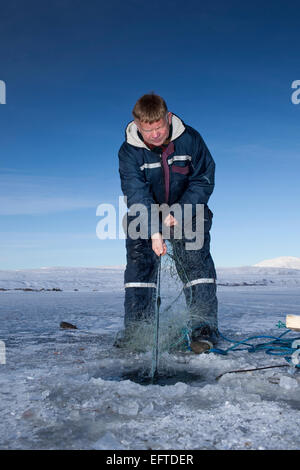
[(73, 71)]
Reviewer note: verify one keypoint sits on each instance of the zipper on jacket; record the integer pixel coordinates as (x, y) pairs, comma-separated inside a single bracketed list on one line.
[(165, 164), (166, 172)]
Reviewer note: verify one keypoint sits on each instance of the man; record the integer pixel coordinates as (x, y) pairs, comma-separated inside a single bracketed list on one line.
[(164, 161)]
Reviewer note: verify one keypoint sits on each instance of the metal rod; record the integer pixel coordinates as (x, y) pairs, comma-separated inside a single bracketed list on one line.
[(250, 370)]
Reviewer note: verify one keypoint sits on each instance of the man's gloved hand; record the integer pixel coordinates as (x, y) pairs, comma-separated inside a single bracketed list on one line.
[(158, 245)]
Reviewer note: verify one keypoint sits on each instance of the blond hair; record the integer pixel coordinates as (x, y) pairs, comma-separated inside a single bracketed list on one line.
[(150, 108)]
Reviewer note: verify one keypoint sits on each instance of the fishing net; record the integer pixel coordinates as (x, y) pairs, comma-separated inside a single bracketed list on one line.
[(174, 312)]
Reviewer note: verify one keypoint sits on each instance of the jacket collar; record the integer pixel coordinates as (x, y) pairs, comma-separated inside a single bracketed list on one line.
[(132, 134)]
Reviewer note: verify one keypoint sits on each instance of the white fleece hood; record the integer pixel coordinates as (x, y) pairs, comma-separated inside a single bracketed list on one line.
[(133, 138)]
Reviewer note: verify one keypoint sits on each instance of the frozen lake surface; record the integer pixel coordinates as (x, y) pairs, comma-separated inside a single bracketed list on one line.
[(70, 389)]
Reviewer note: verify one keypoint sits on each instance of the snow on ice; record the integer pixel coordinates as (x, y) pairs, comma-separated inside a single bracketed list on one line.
[(70, 389)]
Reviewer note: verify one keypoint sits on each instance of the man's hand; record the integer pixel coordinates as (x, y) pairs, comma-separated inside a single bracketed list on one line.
[(170, 221), (158, 245)]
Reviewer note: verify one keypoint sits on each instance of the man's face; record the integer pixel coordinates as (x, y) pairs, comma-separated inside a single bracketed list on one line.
[(157, 132)]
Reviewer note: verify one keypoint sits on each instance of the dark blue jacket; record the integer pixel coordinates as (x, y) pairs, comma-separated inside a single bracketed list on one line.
[(184, 176)]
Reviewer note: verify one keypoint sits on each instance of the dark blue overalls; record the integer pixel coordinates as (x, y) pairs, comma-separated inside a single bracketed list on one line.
[(181, 172)]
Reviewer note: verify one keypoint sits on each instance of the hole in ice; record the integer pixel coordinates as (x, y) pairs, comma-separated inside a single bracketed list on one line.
[(143, 376), (162, 378)]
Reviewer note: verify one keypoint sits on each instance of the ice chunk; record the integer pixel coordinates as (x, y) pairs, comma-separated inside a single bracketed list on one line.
[(177, 390), (108, 442), (148, 410), (130, 408), (45, 394), (288, 383)]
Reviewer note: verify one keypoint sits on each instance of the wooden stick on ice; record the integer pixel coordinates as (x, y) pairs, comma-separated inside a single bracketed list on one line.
[(292, 322)]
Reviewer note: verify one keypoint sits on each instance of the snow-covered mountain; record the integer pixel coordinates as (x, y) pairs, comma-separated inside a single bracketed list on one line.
[(290, 262)]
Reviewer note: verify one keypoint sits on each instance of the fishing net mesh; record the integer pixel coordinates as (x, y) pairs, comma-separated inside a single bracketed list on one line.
[(174, 313)]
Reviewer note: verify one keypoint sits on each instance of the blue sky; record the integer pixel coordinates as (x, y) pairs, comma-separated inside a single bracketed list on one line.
[(73, 71)]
